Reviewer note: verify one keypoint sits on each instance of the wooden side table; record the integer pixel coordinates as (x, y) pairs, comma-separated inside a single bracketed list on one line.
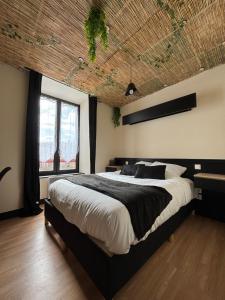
[(213, 195)]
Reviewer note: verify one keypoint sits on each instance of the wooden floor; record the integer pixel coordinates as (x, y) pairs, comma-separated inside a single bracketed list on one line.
[(32, 265)]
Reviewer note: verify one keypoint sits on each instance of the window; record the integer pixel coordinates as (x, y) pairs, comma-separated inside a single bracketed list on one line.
[(59, 136)]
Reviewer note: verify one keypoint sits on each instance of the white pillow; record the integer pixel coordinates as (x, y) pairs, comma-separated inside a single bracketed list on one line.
[(146, 163), (172, 170)]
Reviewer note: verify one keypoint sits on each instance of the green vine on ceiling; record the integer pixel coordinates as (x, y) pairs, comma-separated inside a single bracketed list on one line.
[(13, 32), (95, 26), (98, 72), (79, 66), (110, 81), (177, 26)]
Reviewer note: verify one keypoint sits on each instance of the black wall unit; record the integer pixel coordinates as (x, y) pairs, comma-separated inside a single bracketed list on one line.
[(172, 107), (207, 165)]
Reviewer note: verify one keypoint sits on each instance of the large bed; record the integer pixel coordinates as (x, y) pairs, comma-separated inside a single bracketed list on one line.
[(98, 228), (106, 220)]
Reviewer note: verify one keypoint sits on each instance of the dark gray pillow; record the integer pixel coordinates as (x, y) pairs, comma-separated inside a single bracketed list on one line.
[(153, 172), (129, 170)]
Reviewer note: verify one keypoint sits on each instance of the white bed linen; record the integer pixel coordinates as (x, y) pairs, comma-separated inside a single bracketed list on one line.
[(107, 219)]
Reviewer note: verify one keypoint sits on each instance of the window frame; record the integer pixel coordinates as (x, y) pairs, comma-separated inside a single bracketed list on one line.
[(56, 164)]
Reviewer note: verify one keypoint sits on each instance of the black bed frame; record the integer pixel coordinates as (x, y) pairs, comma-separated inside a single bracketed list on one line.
[(110, 273)]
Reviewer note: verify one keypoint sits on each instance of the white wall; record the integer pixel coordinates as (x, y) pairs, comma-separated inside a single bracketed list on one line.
[(106, 141), (199, 133), (13, 98)]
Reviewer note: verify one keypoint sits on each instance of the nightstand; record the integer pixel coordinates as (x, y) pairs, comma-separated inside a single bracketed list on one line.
[(113, 168), (213, 195)]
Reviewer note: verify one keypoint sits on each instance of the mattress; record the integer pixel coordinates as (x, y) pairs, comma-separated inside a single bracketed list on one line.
[(107, 220)]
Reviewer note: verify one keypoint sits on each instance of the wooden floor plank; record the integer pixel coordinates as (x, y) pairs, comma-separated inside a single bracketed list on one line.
[(192, 266)]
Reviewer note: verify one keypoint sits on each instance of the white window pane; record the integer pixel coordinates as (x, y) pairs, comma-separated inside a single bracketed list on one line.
[(47, 142), (68, 146)]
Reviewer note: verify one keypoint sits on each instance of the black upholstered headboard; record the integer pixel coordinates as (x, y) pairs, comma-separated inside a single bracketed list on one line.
[(207, 165)]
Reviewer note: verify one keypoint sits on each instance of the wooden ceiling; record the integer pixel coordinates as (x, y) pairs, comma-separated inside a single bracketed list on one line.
[(164, 41)]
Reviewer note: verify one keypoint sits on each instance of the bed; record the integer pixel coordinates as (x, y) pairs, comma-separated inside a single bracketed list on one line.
[(100, 232)]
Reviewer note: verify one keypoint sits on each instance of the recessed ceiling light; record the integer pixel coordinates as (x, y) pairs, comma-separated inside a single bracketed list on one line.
[(201, 69), (80, 59)]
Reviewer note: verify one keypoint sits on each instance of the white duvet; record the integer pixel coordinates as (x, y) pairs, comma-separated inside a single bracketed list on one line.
[(107, 219)]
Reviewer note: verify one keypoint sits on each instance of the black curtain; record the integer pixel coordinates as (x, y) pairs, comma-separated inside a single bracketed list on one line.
[(31, 173), (92, 131)]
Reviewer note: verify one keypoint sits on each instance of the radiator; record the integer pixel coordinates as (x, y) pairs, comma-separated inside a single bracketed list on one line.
[(46, 181)]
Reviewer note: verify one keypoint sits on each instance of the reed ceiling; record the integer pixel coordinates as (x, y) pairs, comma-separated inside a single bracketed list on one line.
[(48, 36)]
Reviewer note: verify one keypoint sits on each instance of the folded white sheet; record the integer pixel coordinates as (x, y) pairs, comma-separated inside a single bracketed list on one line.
[(107, 219)]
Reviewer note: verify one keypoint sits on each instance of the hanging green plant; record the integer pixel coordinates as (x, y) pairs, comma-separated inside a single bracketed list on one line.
[(116, 116), (95, 26)]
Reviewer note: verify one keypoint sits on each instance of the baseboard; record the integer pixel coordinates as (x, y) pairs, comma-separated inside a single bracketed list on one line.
[(10, 214)]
